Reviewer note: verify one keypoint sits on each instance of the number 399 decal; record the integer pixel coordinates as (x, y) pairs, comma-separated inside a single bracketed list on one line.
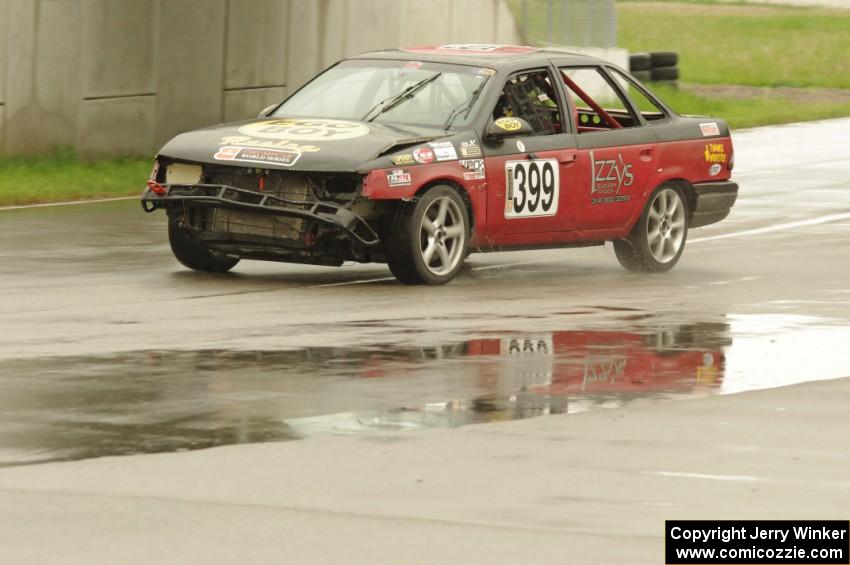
[(533, 187)]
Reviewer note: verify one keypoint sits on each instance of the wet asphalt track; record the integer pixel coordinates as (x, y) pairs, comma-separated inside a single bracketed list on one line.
[(107, 346)]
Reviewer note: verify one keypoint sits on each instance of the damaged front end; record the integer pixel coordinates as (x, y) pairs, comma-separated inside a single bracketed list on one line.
[(273, 215)]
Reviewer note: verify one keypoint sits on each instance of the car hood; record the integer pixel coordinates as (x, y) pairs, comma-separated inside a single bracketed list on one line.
[(295, 143)]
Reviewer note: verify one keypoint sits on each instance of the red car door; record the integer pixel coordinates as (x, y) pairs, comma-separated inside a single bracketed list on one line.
[(532, 179), (617, 153)]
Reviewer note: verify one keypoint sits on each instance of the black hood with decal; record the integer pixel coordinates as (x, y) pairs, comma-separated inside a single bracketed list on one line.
[(301, 144)]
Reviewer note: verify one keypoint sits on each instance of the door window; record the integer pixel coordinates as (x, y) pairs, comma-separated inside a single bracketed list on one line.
[(531, 95), (597, 105)]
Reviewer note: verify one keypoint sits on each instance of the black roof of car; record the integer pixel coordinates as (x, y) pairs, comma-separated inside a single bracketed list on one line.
[(501, 57)]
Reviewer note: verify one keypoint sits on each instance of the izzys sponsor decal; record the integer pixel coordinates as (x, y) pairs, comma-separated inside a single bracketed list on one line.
[(709, 128), (403, 159), (470, 148), (245, 141), (423, 155), (444, 151), (609, 176), (257, 155), (715, 153), (473, 169), (715, 169), (508, 124), (398, 177), (305, 129)]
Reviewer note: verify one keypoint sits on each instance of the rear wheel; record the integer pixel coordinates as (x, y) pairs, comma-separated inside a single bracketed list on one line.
[(429, 238), (194, 254), (658, 239)]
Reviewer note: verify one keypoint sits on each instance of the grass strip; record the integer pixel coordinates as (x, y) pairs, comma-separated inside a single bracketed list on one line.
[(62, 176)]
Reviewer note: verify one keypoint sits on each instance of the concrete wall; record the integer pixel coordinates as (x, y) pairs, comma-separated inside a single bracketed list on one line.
[(118, 77)]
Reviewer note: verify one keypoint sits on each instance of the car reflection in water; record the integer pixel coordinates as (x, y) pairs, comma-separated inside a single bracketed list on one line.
[(154, 401), (558, 372)]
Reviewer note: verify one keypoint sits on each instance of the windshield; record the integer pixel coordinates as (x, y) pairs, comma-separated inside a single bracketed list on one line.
[(397, 92)]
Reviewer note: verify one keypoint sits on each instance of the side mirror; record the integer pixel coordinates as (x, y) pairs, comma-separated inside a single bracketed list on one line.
[(508, 127), (267, 111)]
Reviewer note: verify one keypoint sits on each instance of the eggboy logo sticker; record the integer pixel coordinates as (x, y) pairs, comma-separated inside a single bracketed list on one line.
[(509, 124), (305, 129)]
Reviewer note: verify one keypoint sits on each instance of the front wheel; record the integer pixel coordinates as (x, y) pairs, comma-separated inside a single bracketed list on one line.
[(658, 239), (194, 254), (429, 238)]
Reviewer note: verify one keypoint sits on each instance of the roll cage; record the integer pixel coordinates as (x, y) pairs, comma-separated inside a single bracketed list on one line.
[(565, 102)]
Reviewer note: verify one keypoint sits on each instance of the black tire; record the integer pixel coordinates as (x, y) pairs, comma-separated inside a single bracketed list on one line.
[(664, 59), (640, 62), (637, 253), (665, 73), (408, 243), (194, 254), (642, 76)]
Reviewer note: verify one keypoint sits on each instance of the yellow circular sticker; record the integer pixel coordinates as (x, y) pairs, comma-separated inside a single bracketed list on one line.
[(509, 124), (305, 129)]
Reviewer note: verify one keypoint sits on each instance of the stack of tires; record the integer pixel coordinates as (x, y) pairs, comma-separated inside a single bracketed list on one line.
[(657, 66)]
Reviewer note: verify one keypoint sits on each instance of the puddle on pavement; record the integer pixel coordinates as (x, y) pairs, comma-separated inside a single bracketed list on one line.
[(155, 401)]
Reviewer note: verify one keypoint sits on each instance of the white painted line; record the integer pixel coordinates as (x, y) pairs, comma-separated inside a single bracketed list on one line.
[(706, 476), (482, 268), (745, 172), (776, 227), (507, 265), (346, 283), (74, 203)]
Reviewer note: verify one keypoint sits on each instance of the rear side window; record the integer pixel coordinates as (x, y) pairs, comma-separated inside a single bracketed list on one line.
[(645, 105)]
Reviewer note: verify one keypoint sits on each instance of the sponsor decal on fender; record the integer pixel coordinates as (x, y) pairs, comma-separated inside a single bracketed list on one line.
[(252, 155), (444, 151), (709, 128), (245, 141), (474, 169), (305, 129), (715, 153), (714, 170), (403, 159), (399, 177), (423, 155), (470, 148), (508, 124), (609, 176), (520, 146)]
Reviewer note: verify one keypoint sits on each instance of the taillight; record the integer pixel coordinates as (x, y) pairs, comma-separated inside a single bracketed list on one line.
[(157, 188)]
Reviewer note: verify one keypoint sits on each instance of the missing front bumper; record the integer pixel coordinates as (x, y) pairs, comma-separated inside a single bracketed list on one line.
[(241, 200)]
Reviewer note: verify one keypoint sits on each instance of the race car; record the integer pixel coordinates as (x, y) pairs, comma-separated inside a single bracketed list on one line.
[(417, 157)]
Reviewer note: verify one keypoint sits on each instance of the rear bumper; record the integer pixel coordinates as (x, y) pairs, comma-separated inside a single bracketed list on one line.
[(714, 201), (232, 198)]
